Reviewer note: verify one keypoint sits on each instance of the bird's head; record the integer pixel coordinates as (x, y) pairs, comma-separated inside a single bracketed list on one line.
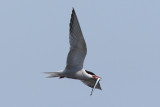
[(92, 74)]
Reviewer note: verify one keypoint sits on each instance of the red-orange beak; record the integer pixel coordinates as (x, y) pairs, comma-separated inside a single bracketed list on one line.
[(96, 77)]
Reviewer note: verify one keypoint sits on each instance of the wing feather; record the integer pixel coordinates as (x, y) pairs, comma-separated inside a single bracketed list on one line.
[(78, 49)]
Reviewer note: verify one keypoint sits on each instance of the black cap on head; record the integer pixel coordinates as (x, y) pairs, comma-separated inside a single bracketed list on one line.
[(90, 72)]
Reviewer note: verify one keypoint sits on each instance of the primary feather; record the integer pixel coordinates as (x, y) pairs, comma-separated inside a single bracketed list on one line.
[(78, 49)]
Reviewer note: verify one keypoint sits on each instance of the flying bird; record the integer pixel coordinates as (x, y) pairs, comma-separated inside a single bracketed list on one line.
[(75, 59)]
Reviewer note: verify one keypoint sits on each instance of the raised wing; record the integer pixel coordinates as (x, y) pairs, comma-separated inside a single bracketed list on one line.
[(91, 83), (78, 48)]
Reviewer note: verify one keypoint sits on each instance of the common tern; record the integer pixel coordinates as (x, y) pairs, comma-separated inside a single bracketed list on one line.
[(74, 65)]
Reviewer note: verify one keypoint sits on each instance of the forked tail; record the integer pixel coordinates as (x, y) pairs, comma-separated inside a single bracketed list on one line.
[(53, 74)]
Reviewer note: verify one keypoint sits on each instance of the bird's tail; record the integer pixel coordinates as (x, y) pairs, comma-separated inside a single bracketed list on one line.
[(53, 74)]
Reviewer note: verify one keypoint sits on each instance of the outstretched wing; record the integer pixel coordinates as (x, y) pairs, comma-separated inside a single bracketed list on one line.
[(91, 83), (78, 48)]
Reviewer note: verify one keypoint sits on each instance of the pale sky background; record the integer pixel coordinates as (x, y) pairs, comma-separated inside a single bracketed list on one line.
[(123, 40)]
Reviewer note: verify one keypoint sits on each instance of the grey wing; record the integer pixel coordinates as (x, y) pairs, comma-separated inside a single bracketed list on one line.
[(78, 49), (91, 83)]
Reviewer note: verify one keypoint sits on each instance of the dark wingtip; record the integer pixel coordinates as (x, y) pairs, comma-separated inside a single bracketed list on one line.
[(72, 18), (73, 9)]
